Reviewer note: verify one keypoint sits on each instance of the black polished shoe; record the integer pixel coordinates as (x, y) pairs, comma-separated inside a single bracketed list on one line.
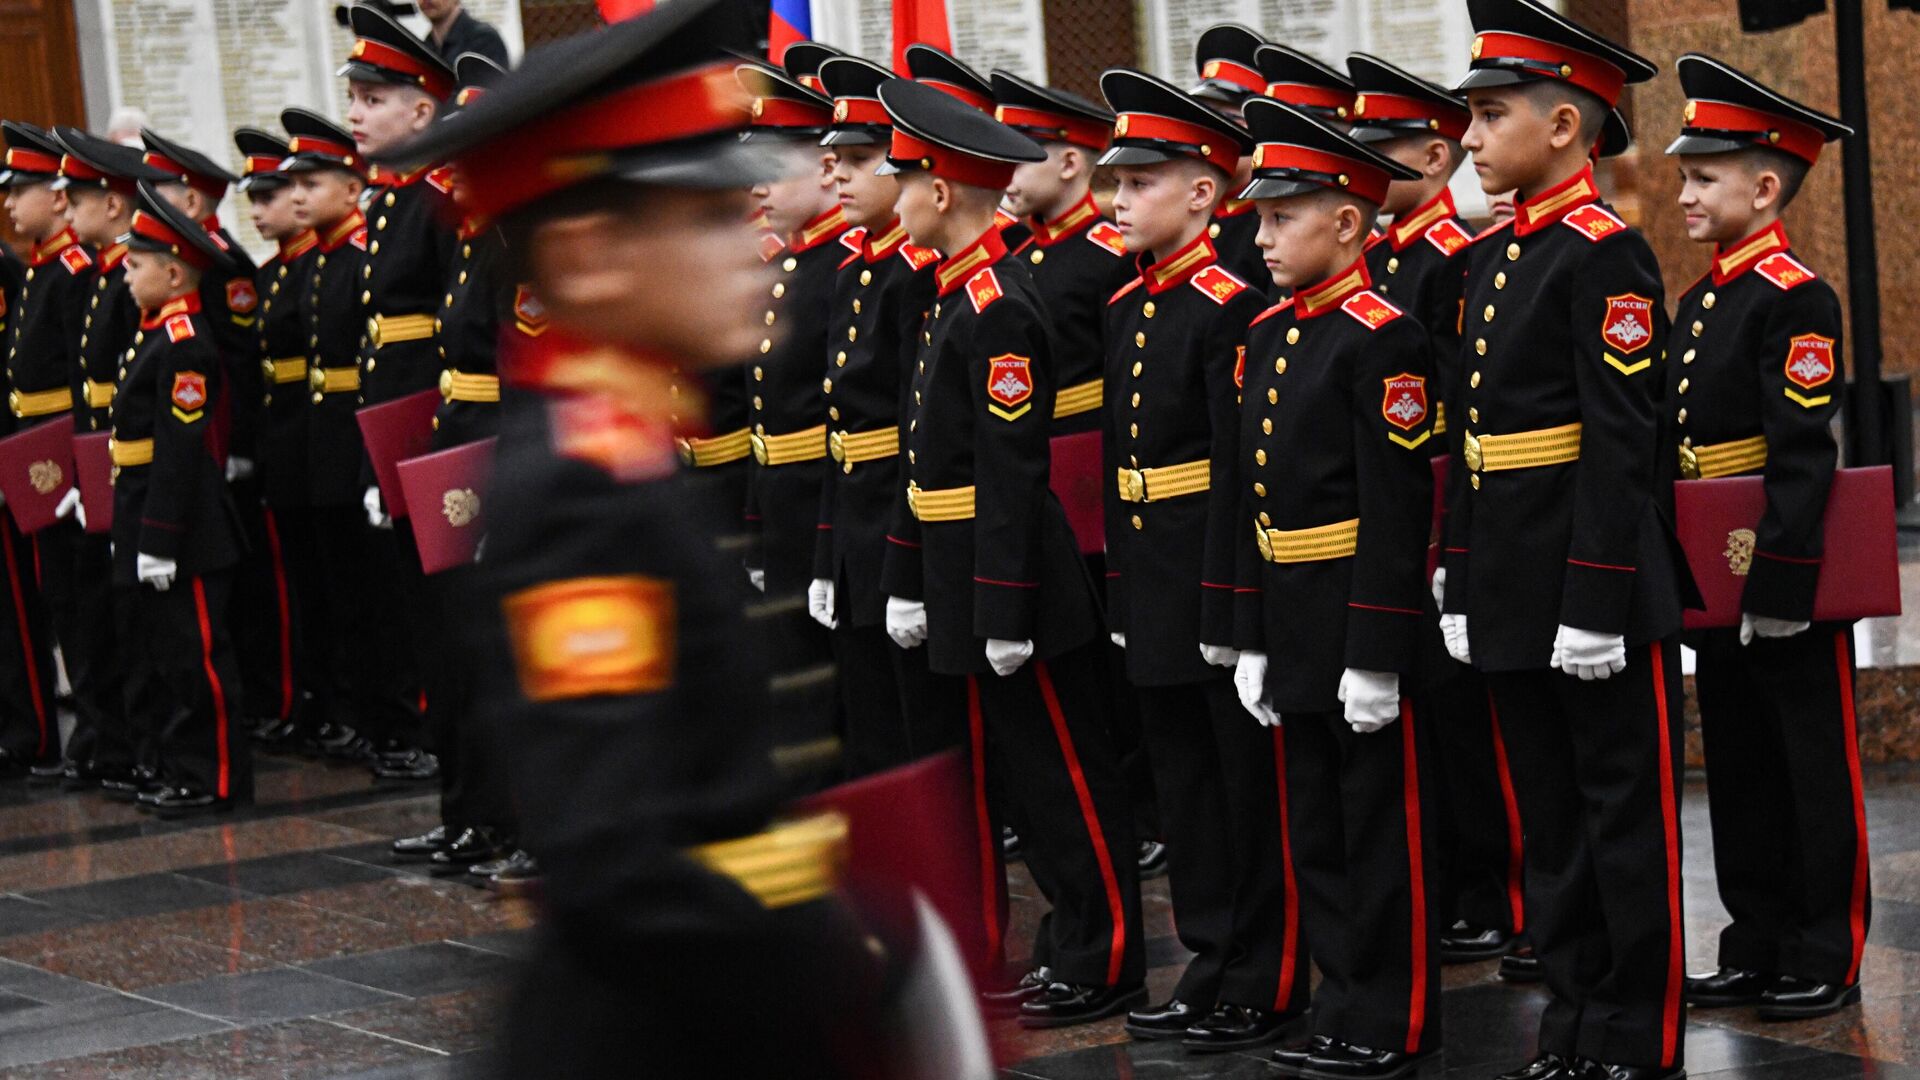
[(130, 786), (1293, 1056), (1009, 844), (1794, 998), (1465, 943), (414, 765), (1153, 859), (329, 739), (47, 771), (1168, 1021), (81, 776), (1006, 1001), (471, 846), (520, 875), (1546, 1067), (1235, 1027), (1727, 987), (1066, 1004), (481, 871), (178, 802), (424, 846), (1345, 1061), (1598, 1070), (281, 736), (1521, 966)]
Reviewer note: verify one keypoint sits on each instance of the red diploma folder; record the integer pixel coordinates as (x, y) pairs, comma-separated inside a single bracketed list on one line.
[(93, 471), (1859, 572), (36, 472), (446, 493), (395, 431), (1077, 469)]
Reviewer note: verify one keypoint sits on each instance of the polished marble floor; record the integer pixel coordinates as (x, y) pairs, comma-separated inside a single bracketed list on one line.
[(283, 942)]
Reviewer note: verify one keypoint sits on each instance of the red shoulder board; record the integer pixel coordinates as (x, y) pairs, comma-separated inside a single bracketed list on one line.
[(918, 257), (241, 297), (854, 240), (1107, 235), (1784, 270), (441, 179), (1369, 310), (359, 238), (189, 388), (1124, 290), (179, 327), (630, 446), (75, 259), (983, 289), (529, 315), (1593, 222), (1270, 312), (848, 261), (1448, 236), (1218, 285)]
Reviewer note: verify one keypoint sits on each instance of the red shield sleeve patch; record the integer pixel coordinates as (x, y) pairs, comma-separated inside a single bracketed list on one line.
[(1404, 405), (189, 392), (529, 314), (1010, 386), (241, 297), (1810, 364), (1627, 325)]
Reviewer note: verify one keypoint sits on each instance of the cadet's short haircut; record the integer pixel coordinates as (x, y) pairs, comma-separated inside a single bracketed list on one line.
[(1456, 154), (1548, 94), (1369, 211), (1791, 170)]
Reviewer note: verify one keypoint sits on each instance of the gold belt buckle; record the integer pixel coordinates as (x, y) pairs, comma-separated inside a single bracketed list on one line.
[(317, 379), (1263, 541), (913, 498), (446, 385), (837, 445), (373, 331), (1133, 486), (686, 451), (1470, 449), (1689, 463), (759, 445)]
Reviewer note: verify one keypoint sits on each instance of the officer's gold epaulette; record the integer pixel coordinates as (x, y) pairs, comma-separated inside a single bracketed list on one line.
[(1784, 271), (1105, 234), (75, 259)]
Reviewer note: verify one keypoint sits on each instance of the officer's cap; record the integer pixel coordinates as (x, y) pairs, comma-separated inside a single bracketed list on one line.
[(858, 117), (186, 165), (1050, 115), (1519, 41), (1224, 57), (89, 159), (1157, 122), (160, 227), (1728, 110), (1299, 80), (261, 155), (315, 142), (940, 134), (32, 155), (803, 59), (783, 108), (386, 52), (1391, 102), (1296, 152), (944, 71)]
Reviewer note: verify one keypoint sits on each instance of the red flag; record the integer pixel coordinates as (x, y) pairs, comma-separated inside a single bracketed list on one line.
[(918, 22), (615, 10)]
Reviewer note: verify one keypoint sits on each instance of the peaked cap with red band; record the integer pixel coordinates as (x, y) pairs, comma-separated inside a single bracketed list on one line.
[(1050, 115), (261, 153), (1225, 57), (1728, 110), (32, 155), (1299, 80), (386, 52), (159, 227), (802, 62), (315, 142), (477, 74), (1158, 122), (1520, 41), (187, 165), (101, 163), (1391, 102), (782, 107), (937, 133), (945, 72), (1296, 153), (854, 82)]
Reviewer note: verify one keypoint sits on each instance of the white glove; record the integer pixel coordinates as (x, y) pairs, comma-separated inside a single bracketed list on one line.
[(820, 603), (376, 517), (1250, 682), (906, 622), (1007, 656), (1118, 639), (1454, 629), (1219, 655), (155, 571), (239, 468), (1439, 586), (1372, 698), (1587, 654), (69, 503), (757, 579), (1751, 626)]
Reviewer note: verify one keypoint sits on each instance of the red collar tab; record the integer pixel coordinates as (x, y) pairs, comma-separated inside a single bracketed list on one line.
[(429, 77), (884, 242), (1331, 293), (159, 232), (187, 303), (390, 179), (1381, 110), (296, 246), (861, 110), (573, 145), (972, 259), (211, 186), (342, 231), (1544, 59), (1760, 128), (1194, 140), (956, 165), (965, 93), (112, 257), (1731, 262), (770, 112), (1415, 225), (21, 159), (1555, 203), (819, 231), (1331, 99), (1056, 126), (1082, 216), (1335, 172), (1231, 71), (1178, 268), (60, 242)]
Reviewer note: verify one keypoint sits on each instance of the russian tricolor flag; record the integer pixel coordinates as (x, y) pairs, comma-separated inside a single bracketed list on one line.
[(790, 21)]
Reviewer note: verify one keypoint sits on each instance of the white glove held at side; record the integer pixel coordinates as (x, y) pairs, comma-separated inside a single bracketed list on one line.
[(1454, 629), (155, 571), (1006, 657), (906, 622), (1250, 682), (1751, 626), (820, 602), (1587, 654), (1372, 699)]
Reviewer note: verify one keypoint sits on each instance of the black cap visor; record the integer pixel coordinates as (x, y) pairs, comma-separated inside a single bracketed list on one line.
[(1690, 143), (1145, 153), (857, 135), (1279, 187)]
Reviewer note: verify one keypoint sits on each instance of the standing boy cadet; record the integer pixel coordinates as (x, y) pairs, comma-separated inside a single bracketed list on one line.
[(1175, 339), (1335, 435), (1227, 56), (1419, 263), (43, 378), (176, 533), (896, 708), (982, 569), (26, 660), (1561, 579), (1755, 393)]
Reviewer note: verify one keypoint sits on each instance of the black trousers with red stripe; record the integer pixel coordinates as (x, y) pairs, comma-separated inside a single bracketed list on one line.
[(262, 615), (1044, 728), (1477, 836), (180, 671), (1235, 900), (28, 728), (1784, 799), (1596, 766), (1359, 813)]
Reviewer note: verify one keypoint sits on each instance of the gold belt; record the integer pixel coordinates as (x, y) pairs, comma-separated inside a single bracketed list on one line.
[(1074, 400), (285, 371), (393, 329), (40, 402), (99, 394), (333, 380), (460, 386), (1153, 485), (788, 864), (1723, 459), (1335, 541), (131, 452), (1439, 418), (852, 447), (1522, 449), (945, 504), (808, 445), (718, 450)]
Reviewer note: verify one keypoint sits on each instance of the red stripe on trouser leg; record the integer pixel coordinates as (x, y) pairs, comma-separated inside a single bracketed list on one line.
[(285, 612), (38, 578), (1857, 909), (1670, 825), (213, 681), (1289, 960), (1117, 951), (1516, 843), (1417, 878), (983, 822), (26, 638)]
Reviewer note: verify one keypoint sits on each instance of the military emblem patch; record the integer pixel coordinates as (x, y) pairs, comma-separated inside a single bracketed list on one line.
[(1628, 322), (1810, 364), (529, 314), (591, 636), (1010, 386), (189, 391), (241, 297), (1405, 403)]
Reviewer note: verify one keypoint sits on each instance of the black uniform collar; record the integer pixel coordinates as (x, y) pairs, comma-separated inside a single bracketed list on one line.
[(1555, 203), (1415, 224), (47, 252), (184, 304), (970, 260), (1083, 214), (819, 231), (1329, 294), (1178, 268), (1730, 262)]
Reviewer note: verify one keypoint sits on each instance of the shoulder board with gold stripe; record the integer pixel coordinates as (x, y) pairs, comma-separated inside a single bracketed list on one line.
[(1105, 234), (1594, 222), (1369, 310), (1784, 271)]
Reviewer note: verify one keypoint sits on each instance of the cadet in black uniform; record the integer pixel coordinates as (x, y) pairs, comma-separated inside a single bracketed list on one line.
[(27, 728), (1755, 393), (1335, 484), (641, 746), (1418, 263), (44, 379), (1175, 338), (982, 570), (1227, 57), (176, 533), (1561, 579)]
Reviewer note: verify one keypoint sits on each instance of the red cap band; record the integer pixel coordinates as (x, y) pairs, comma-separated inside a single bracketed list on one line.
[(787, 113), (1309, 96), (211, 186), (860, 110), (1059, 127), (955, 165), (1360, 178), (307, 144), (1240, 75), (429, 78), (967, 94), (160, 232), (1451, 123), (32, 161), (1801, 140), (1584, 70), (260, 163), (1212, 147)]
